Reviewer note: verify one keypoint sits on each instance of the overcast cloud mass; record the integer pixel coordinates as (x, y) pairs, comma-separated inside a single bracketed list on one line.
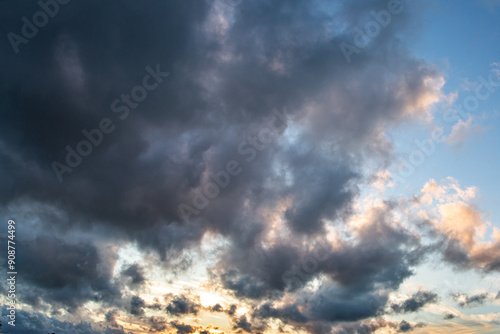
[(249, 166)]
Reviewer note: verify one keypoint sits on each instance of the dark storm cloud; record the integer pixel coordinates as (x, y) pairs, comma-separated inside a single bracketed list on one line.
[(244, 286), (97, 43), (263, 272), (66, 274), (29, 323), (331, 305), (228, 70), (381, 255), (384, 254), (415, 302), (314, 199), (90, 55), (291, 315)]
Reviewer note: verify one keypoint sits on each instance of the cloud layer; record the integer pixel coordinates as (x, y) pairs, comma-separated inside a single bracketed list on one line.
[(262, 137)]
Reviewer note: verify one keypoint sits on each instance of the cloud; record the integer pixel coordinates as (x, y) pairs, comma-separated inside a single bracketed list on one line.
[(243, 323), (182, 328), (157, 324), (355, 280), (466, 239), (372, 326), (135, 273), (35, 322), (230, 69), (217, 308), (111, 317), (286, 313), (415, 302), (182, 304), (463, 130), (137, 305), (331, 305), (469, 300), (115, 185), (66, 274), (405, 326)]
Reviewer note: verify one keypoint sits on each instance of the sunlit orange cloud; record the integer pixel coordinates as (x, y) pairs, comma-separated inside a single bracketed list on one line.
[(455, 215), (462, 222)]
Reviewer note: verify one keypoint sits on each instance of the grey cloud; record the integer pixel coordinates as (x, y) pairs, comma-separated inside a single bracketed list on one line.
[(332, 305), (384, 254), (157, 324), (286, 313), (217, 308), (244, 324), (360, 272), (119, 187), (364, 327), (29, 323), (466, 300), (111, 317), (232, 309), (182, 304), (405, 326), (66, 274), (137, 305), (244, 286), (182, 328), (313, 198), (415, 302), (225, 82), (456, 254), (135, 273)]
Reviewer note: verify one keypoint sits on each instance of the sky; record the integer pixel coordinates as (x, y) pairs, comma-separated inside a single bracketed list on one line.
[(237, 166)]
